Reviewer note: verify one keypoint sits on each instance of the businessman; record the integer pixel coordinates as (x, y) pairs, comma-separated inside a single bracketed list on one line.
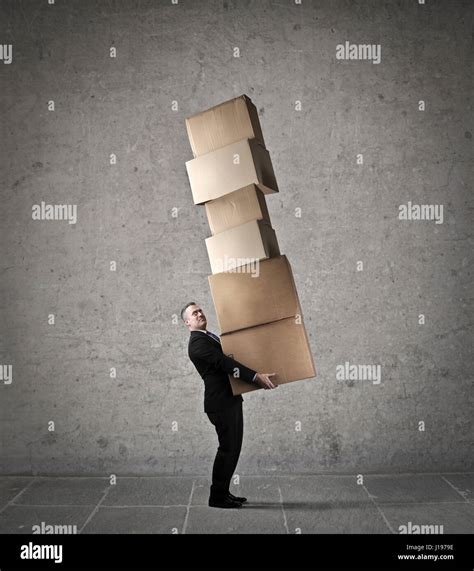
[(223, 409)]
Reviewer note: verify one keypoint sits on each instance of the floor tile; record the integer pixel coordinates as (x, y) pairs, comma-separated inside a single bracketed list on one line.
[(327, 518), (464, 484), (321, 491), (247, 519), (65, 491), (137, 520), (455, 518), (153, 491), (11, 486), (413, 488), (20, 519)]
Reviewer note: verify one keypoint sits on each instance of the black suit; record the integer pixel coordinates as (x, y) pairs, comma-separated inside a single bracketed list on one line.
[(223, 409)]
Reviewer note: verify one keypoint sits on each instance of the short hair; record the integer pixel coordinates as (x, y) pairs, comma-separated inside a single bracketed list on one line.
[(183, 311)]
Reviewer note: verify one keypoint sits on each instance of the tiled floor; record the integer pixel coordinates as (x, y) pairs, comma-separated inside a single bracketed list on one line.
[(276, 504)]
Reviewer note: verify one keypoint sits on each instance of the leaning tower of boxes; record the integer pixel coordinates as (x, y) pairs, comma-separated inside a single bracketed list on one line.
[(252, 286)]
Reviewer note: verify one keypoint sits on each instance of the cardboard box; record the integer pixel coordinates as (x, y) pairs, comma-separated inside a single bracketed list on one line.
[(236, 208), (217, 174), (244, 244), (223, 125), (280, 347), (259, 293)]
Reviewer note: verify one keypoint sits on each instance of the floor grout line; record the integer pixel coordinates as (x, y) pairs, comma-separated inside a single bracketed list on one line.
[(104, 505), (407, 503), (283, 510), (96, 509), (455, 489), (415, 503), (188, 507), (293, 474), (387, 523), (52, 505), (12, 501)]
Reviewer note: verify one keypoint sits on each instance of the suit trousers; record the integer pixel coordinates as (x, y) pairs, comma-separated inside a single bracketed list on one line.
[(229, 425)]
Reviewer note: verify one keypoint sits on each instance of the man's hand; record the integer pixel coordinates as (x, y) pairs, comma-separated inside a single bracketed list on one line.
[(263, 380)]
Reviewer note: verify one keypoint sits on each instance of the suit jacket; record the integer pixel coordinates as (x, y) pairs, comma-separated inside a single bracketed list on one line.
[(214, 366)]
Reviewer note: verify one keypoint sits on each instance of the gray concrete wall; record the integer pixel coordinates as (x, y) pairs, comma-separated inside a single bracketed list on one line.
[(349, 214)]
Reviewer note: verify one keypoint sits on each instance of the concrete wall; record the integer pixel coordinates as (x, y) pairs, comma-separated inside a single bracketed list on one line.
[(349, 214)]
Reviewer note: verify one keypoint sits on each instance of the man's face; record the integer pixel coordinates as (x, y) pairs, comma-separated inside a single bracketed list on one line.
[(195, 318)]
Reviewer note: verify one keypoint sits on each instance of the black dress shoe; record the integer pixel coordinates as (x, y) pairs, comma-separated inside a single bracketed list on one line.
[(225, 503), (237, 499)]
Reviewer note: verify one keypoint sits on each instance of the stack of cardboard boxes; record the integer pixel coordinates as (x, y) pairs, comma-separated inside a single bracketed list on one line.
[(252, 284)]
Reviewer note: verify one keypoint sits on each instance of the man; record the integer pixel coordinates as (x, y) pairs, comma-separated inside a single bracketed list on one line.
[(223, 409)]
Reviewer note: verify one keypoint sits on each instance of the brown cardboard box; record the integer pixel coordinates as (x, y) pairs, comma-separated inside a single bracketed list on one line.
[(244, 244), (258, 293), (217, 174), (223, 125), (280, 347), (236, 208)]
